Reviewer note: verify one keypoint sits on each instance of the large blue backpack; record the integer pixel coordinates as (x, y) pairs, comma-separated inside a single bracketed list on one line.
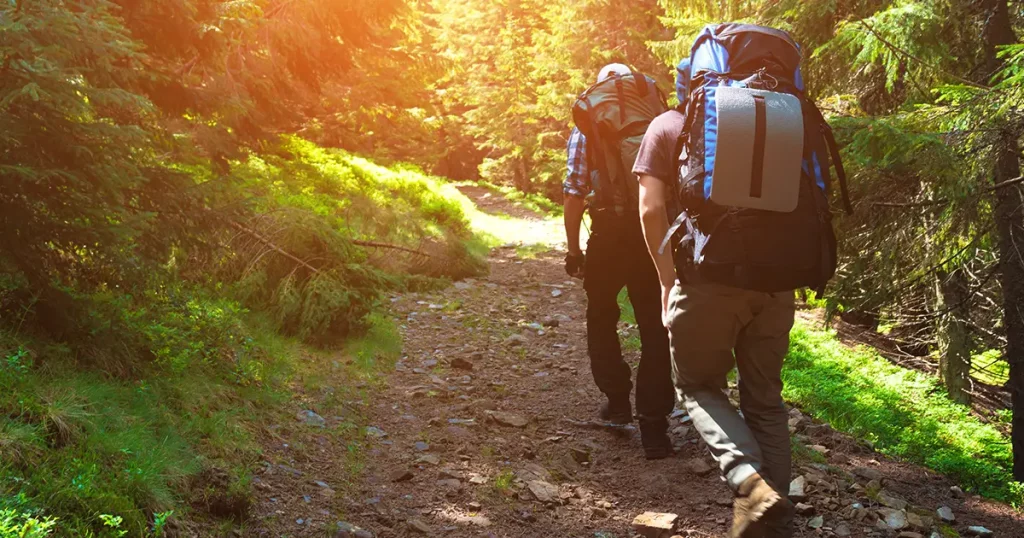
[(755, 160)]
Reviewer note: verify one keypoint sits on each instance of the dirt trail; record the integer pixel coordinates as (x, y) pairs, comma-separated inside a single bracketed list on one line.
[(484, 430)]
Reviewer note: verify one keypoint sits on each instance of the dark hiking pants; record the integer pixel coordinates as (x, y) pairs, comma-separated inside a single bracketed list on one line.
[(712, 328), (617, 257)]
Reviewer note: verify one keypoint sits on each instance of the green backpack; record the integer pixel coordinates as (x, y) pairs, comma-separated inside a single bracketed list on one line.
[(613, 115)]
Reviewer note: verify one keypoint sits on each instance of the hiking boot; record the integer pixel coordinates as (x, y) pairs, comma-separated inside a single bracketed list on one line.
[(617, 411), (755, 501), (654, 437)]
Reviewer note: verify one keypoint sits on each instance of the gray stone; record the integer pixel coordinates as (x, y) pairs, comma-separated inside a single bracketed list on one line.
[(804, 509), (946, 514), (543, 491), (430, 459), (956, 492), (910, 534), (977, 530), (892, 501), (868, 473), (310, 418), (348, 530), (416, 525), (421, 446), (894, 519), (373, 431), (816, 522), (842, 530), (798, 489)]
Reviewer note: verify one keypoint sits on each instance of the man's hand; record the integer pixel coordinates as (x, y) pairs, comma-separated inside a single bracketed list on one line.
[(575, 264)]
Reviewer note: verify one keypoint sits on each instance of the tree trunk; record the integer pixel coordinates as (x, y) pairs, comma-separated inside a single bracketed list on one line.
[(998, 31), (954, 335)]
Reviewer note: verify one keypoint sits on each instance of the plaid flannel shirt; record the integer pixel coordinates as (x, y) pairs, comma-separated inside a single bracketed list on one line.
[(578, 179)]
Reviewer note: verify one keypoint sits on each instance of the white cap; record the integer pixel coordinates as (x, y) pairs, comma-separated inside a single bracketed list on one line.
[(613, 69)]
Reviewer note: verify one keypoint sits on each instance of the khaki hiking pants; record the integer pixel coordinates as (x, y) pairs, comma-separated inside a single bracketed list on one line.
[(713, 327)]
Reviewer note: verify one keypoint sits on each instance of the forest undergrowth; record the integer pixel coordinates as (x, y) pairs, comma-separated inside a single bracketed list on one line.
[(152, 410)]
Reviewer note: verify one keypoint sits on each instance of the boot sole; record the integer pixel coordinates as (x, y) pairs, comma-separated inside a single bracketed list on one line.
[(619, 420), (756, 516)]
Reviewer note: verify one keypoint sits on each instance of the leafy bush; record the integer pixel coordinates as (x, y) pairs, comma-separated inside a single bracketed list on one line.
[(15, 525)]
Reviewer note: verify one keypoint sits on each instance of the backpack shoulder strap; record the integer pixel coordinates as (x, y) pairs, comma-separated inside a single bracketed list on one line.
[(831, 154)]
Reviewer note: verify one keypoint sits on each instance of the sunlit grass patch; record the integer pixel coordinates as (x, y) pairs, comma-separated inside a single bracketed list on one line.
[(904, 413)]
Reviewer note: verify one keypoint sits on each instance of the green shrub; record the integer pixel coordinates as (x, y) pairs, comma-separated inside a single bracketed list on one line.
[(23, 525)]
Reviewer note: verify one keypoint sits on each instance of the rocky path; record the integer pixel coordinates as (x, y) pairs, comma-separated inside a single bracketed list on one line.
[(485, 429)]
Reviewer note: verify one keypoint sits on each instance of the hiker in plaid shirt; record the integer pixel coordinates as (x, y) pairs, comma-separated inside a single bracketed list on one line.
[(617, 258)]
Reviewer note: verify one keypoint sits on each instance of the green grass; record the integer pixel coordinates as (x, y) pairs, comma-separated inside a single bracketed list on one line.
[(87, 454), (631, 341), (904, 413)]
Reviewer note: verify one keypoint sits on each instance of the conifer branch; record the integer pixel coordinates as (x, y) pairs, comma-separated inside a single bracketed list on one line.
[(270, 244), (899, 50), (374, 244), (945, 201)]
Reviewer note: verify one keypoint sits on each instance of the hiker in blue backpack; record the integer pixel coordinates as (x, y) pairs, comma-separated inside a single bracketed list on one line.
[(747, 185), (611, 118)]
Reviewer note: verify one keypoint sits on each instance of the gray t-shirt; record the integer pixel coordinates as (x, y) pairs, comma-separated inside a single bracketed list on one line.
[(657, 155)]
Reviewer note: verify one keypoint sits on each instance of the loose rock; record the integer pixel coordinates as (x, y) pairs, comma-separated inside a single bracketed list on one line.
[(312, 419), (420, 446), (418, 526), (910, 534), (543, 491), (655, 525), (892, 501), (698, 467), (347, 530), (804, 509), (403, 475), (797, 489), (946, 514), (461, 364), (516, 340), (429, 459), (978, 531), (580, 455), (507, 419), (868, 473), (816, 522), (373, 431), (956, 492), (894, 519)]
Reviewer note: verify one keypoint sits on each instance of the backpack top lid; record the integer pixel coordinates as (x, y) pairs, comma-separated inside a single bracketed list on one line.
[(744, 49), (618, 105)]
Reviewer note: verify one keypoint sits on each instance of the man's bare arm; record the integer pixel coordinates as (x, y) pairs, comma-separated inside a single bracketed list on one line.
[(654, 219), (574, 207)]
